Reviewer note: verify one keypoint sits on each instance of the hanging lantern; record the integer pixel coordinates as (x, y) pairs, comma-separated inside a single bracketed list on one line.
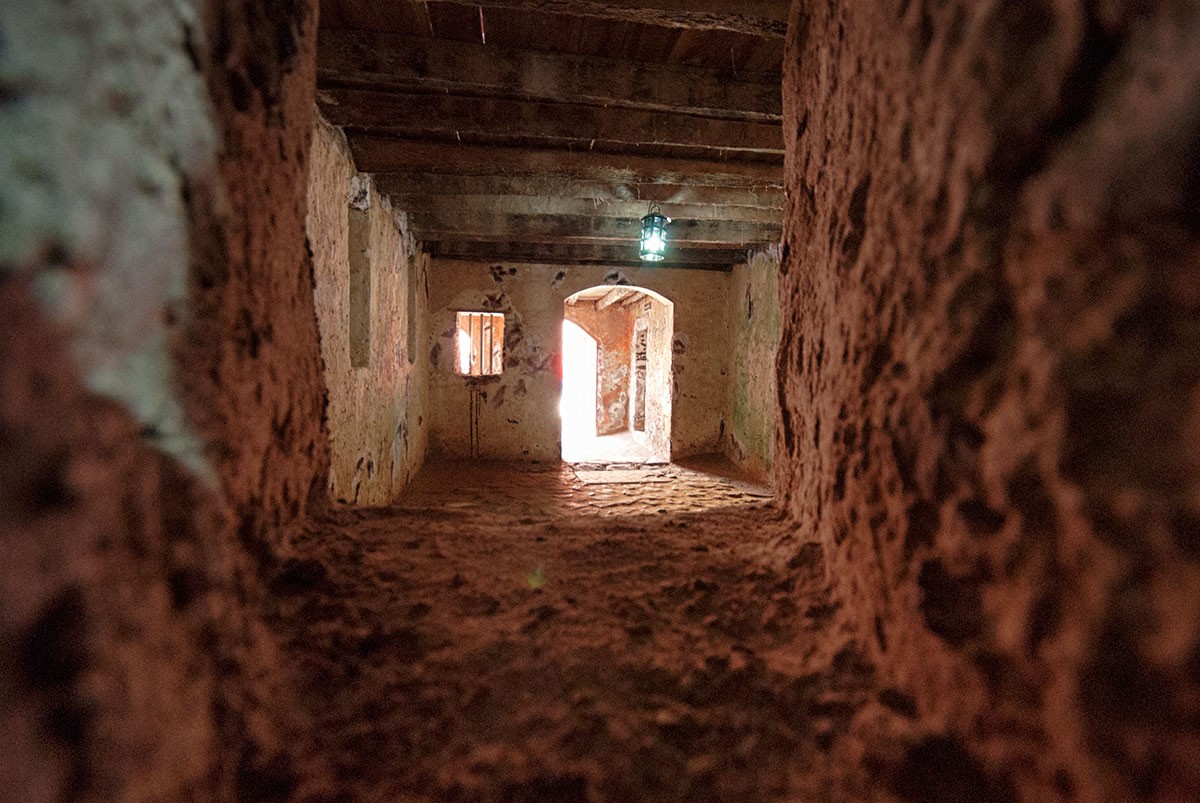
[(654, 235)]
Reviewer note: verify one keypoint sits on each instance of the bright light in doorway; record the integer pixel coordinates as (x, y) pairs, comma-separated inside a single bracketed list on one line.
[(577, 407)]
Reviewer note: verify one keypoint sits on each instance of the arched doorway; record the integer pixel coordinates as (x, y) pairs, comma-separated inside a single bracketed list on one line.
[(616, 394)]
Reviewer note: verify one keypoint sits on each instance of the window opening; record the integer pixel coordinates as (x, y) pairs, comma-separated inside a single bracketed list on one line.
[(479, 344), (413, 288), (360, 287)]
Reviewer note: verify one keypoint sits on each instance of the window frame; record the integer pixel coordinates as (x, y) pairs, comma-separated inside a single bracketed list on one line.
[(486, 343)]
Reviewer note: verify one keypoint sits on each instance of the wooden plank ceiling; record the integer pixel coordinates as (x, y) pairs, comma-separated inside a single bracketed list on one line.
[(540, 130)]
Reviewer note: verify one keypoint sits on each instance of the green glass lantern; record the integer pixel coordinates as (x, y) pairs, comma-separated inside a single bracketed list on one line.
[(654, 235)]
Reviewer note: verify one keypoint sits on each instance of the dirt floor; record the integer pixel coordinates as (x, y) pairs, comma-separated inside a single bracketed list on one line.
[(514, 634)]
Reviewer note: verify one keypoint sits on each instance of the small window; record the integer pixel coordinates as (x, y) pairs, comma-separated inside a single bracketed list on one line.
[(411, 296), (479, 344), (360, 288)]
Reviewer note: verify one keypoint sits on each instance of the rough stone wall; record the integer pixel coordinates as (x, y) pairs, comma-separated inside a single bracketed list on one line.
[(612, 329), (160, 412), (663, 353), (91, 187), (989, 387), (377, 414), (754, 316), (252, 364), (516, 415)]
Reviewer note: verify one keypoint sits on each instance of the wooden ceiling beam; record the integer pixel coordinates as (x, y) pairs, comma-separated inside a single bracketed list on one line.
[(421, 116), (368, 59), (766, 18), (563, 187), (559, 253), (612, 297), (471, 205), (373, 154), (590, 228)]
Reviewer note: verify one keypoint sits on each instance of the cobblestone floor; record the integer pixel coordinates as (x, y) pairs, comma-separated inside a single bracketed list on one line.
[(513, 634), (538, 492)]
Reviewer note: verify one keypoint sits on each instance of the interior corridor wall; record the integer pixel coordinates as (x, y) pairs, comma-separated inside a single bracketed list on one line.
[(516, 415), (162, 397), (378, 408), (754, 316), (658, 321), (990, 391)]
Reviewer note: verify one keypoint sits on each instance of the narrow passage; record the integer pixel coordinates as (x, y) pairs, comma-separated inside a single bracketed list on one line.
[(526, 636)]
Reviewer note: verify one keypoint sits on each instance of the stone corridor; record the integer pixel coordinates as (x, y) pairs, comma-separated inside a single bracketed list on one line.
[(935, 272), (511, 633)]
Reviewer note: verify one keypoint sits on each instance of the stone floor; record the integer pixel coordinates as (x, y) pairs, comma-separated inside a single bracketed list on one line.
[(539, 492), (514, 634), (621, 447)]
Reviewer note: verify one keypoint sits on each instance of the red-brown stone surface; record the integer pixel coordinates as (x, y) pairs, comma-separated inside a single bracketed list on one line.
[(134, 660), (251, 359), (512, 634), (990, 385), (980, 582)]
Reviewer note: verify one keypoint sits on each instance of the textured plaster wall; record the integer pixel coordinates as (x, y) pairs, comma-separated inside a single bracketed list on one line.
[(160, 395), (661, 357), (517, 413), (377, 415), (990, 391), (754, 316)]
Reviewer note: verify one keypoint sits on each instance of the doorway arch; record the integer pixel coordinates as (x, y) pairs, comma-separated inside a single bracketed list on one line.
[(616, 395)]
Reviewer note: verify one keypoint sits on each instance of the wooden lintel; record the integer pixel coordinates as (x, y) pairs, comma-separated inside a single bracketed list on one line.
[(469, 206), (559, 253), (632, 299), (432, 116), (373, 154), (767, 18), (368, 59), (612, 297), (591, 228), (562, 187), (631, 244)]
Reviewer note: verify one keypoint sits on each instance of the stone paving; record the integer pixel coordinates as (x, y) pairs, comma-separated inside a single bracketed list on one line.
[(511, 634), (536, 492)]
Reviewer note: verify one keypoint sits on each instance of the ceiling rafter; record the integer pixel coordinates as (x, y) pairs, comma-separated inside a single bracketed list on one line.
[(555, 186), (531, 151), (612, 297), (559, 253), (469, 206), (450, 117), (367, 59), (376, 154), (766, 18), (590, 228)]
